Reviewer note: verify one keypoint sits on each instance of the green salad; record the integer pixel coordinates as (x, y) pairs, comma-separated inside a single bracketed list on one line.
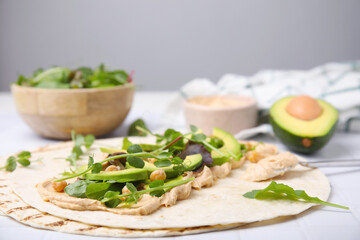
[(83, 77)]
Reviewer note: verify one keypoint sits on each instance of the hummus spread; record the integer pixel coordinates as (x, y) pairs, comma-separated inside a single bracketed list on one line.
[(262, 150), (269, 167), (218, 101), (147, 204)]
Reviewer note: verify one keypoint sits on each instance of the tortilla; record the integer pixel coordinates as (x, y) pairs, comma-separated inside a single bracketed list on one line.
[(219, 207)]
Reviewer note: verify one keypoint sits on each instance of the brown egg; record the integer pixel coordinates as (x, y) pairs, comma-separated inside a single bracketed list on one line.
[(304, 107)]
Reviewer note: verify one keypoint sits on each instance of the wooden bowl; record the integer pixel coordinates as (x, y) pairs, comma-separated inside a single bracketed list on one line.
[(53, 113)]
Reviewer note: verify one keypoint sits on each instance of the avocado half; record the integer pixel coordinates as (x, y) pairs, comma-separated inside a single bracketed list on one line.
[(300, 135)]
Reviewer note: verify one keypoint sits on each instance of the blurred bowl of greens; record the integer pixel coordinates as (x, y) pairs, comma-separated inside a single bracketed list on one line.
[(57, 100)]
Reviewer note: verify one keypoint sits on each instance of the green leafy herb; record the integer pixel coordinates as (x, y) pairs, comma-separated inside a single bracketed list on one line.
[(200, 137), (83, 77), (126, 144), (11, 164), (97, 167), (114, 202), (133, 129), (216, 142), (89, 140), (131, 187), (193, 128), (277, 191), (22, 158), (97, 190), (79, 141), (162, 163), (135, 162), (24, 154), (78, 188), (155, 190), (135, 148), (91, 167), (24, 162)]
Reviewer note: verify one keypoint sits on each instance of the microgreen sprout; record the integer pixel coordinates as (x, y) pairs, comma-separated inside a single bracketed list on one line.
[(23, 158), (156, 188), (79, 141)]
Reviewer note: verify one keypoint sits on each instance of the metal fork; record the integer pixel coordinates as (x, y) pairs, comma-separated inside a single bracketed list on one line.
[(331, 163)]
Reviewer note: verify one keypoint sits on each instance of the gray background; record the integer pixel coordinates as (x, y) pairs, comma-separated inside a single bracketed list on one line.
[(168, 43)]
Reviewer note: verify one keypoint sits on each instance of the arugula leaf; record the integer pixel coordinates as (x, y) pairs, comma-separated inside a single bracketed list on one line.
[(277, 191)]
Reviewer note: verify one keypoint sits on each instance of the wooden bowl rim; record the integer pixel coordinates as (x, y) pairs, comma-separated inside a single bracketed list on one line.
[(14, 86)]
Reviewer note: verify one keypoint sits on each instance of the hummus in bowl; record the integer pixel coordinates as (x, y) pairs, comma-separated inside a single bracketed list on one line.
[(232, 113)]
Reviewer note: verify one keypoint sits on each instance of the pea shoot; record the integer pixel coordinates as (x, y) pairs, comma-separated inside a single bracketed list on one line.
[(23, 158), (79, 142)]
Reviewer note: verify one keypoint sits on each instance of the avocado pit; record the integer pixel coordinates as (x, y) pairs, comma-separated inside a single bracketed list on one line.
[(304, 107)]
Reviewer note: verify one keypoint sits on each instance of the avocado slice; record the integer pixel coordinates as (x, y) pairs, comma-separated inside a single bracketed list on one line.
[(302, 135), (126, 175), (231, 147), (191, 162)]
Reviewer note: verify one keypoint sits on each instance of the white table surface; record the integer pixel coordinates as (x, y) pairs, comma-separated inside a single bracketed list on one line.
[(316, 223)]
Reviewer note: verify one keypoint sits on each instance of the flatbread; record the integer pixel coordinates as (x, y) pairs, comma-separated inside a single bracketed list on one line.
[(219, 207)]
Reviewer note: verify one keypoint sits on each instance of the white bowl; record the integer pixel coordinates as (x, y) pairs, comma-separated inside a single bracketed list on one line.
[(231, 113)]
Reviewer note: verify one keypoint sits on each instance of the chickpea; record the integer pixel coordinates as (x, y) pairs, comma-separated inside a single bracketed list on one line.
[(124, 190), (152, 160), (112, 168), (253, 156), (158, 175), (59, 186)]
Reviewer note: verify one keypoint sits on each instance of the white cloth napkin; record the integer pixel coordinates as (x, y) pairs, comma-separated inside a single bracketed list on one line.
[(336, 83)]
